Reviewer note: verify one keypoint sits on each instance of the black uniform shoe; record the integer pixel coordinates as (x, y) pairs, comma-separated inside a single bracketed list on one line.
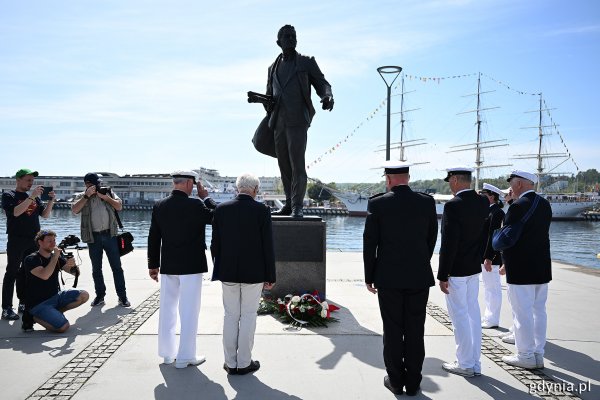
[(230, 371), (254, 366), (412, 392), (297, 212), (387, 384), (286, 210)]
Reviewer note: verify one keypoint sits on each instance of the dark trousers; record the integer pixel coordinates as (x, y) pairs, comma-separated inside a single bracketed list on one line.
[(403, 313), (17, 249), (105, 242), (290, 146)]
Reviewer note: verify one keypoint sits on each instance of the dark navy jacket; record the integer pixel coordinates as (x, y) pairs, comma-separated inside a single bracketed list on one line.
[(462, 226), (492, 222), (242, 242), (176, 241), (528, 262), (399, 239)]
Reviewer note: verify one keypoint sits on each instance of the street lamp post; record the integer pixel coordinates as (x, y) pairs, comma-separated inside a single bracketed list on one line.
[(388, 69)]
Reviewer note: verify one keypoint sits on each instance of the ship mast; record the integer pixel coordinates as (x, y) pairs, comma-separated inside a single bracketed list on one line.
[(540, 156), (479, 145), (540, 167)]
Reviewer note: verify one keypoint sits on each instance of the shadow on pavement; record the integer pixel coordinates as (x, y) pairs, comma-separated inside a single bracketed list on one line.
[(573, 361), (348, 336), (95, 321), (494, 388), (188, 383), (251, 388)]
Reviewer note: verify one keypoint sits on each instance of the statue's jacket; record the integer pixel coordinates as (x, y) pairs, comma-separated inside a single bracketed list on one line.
[(296, 90)]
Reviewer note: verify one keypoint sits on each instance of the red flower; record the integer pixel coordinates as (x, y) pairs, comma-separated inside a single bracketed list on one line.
[(333, 308), (312, 311)]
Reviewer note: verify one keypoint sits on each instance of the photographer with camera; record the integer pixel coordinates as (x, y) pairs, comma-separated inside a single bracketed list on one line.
[(43, 297), (99, 229), (23, 211)]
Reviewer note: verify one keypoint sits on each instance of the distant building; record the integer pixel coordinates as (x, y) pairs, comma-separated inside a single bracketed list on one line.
[(142, 189)]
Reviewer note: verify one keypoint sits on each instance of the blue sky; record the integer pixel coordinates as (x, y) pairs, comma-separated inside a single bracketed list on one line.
[(154, 86)]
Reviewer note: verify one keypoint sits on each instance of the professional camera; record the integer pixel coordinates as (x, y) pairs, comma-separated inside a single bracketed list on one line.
[(103, 190), (70, 241)]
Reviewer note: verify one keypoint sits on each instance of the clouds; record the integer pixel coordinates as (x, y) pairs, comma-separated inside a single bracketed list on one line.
[(576, 30), (149, 77)]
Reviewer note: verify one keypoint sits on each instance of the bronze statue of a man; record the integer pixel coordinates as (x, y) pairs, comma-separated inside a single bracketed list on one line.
[(289, 82)]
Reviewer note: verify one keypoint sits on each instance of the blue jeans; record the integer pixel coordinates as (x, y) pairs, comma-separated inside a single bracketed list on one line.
[(103, 241), (49, 310)]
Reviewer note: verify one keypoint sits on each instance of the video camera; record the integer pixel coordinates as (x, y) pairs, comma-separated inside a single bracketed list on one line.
[(71, 241), (103, 190)]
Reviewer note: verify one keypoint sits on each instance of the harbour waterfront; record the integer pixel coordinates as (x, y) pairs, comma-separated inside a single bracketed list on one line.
[(571, 242)]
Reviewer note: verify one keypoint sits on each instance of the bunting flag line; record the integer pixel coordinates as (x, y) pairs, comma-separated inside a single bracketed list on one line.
[(506, 85), (426, 79), (348, 136), (555, 127)]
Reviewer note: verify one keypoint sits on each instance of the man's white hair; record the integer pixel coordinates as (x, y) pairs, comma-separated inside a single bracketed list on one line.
[(246, 182)]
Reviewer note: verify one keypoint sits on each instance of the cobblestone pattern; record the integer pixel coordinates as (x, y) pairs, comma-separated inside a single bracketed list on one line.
[(494, 351), (70, 378)]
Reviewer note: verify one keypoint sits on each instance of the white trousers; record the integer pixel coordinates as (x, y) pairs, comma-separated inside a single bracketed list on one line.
[(179, 293), (240, 301), (492, 286), (528, 303), (463, 308)]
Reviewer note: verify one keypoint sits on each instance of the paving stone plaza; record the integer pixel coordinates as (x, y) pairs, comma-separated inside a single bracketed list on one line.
[(111, 352)]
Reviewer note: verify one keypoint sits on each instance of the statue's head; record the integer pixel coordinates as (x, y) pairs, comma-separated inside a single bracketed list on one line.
[(286, 38)]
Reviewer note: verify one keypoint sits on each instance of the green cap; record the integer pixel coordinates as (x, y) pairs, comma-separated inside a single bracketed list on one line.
[(25, 171)]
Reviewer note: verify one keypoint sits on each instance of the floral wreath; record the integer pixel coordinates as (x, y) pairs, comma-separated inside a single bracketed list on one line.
[(303, 310)]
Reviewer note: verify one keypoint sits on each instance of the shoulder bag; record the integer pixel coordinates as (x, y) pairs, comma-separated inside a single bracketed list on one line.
[(124, 239), (507, 236)]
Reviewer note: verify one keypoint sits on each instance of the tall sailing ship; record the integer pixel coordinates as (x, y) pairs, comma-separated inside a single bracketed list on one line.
[(565, 206)]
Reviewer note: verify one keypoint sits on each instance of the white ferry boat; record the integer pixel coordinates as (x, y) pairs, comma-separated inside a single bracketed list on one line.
[(564, 206)]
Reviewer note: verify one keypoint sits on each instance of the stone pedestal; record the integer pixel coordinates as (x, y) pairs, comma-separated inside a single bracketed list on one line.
[(299, 255)]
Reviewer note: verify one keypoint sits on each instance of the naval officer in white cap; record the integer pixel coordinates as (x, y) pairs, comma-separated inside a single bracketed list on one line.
[(176, 251), (492, 260), (459, 269), (528, 271)]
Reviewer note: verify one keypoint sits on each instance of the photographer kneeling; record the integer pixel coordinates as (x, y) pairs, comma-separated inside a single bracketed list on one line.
[(44, 299)]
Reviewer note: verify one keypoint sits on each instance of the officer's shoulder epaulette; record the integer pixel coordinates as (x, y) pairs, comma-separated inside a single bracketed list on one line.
[(376, 195)]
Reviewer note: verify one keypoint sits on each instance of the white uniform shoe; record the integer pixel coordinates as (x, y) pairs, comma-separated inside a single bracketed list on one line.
[(168, 360), (509, 338), (539, 360), (520, 361), (488, 325), (453, 368), (185, 363)]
